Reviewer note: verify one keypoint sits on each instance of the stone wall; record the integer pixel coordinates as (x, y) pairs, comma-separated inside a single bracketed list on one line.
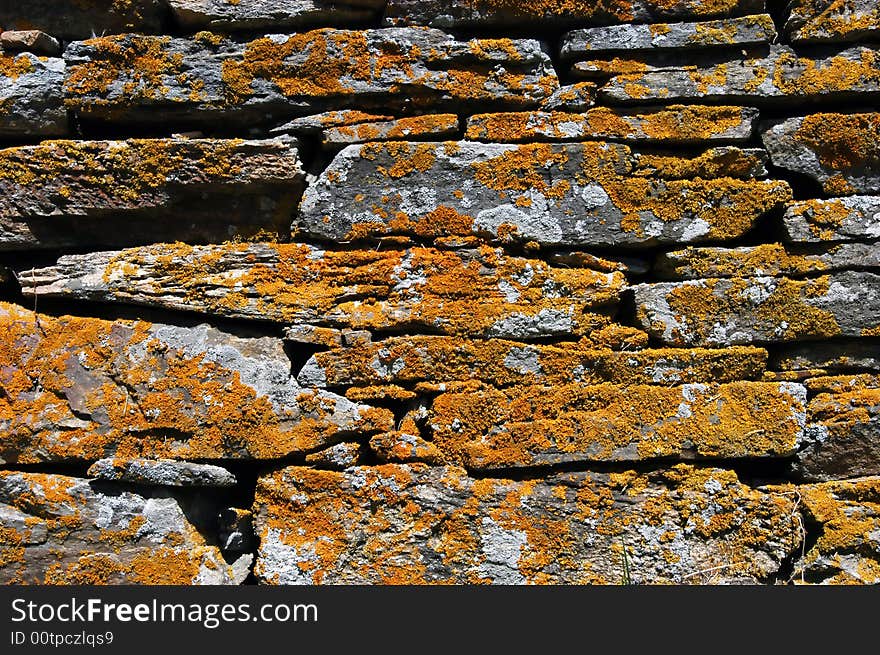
[(407, 291)]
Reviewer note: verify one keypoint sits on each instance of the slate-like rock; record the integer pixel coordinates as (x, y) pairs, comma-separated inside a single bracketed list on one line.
[(31, 100), (779, 77), (772, 259), (412, 359), (431, 127), (832, 21), (80, 389), (839, 355), (404, 446), (525, 426), (206, 79), (730, 32), (34, 41), (161, 472), (571, 97), (680, 124), (580, 194), (415, 524), (233, 15), (555, 13), (721, 312), (838, 219), (64, 530), (118, 193), (840, 151), (80, 19), (475, 292), (337, 457)]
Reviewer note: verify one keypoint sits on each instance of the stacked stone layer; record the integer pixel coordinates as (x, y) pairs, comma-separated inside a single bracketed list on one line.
[(599, 301)]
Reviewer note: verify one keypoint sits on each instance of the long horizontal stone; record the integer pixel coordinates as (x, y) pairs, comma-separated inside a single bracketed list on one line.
[(840, 151), (31, 99), (117, 193), (554, 13), (832, 21), (579, 96), (411, 359), (781, 76), (721, 312), (80, 389), (142, 79), (161, 472), (841, 355), (837, 219), (680, 124), (475, 292), (766, 259), (639, 62), (730, 32), (428, 127), (525, 426), (416, 524), (76, 19), (65, 530), (232, 15), (553, 194)]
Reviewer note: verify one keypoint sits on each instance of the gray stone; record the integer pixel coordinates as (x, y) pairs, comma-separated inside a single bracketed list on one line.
[(832, 21), (337, 457), (34, 41), (730, 33), (837, 219), (720, 312), (79, 19), (119, 193), (65, 530), (839, 355), (224, 15), (571, 97), (416, 524), (840, 151), (31, 100), (553, 194), (161, 472)]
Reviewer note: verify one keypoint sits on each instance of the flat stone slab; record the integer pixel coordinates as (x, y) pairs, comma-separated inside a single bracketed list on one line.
[(832, 21), (230, 16), (416, 524), (161, 473), (31, 96), (839, 355), (837, 219)]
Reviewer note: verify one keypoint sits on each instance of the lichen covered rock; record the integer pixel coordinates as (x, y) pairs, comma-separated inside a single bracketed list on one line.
[(832, 21), (31, 102), (235, 15), (838, 219)]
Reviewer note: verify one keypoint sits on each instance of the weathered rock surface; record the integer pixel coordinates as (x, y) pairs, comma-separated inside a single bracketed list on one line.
[(79, 19), (497, 13), (62, 530), (832, 21), (766, 80), (106, 193), (31, 101), (34, 41), (415, 524), (720, 312), (767, 259), (842, 355), (403, 446), (840, 151), (430, 127), (475, 292), (571, 97), (526, 426), (337, 457), (837, 219), (407, 360), (232, 15), (83, 389), (681, 124), (206, 79), (731, 32), (161, 473), (553, 194)]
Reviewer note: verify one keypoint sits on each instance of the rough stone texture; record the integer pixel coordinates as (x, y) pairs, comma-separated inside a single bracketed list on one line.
[(498, 13), (571, 97), (231, 15), (80, 389), (408, 360), (476, 292), (402, 446), (845, 355), (832, 21), (732, 32), (79, 19), (714, 311), (779, 77), (767, 259), (117, 193), (837, 219), (670, 125), (540, 425), (431, 127), (30, 96), (571, 194), (415, 524), (338, 456), (62, 530), (34, 41), (203, 80), (161, 473), (840, 151)]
